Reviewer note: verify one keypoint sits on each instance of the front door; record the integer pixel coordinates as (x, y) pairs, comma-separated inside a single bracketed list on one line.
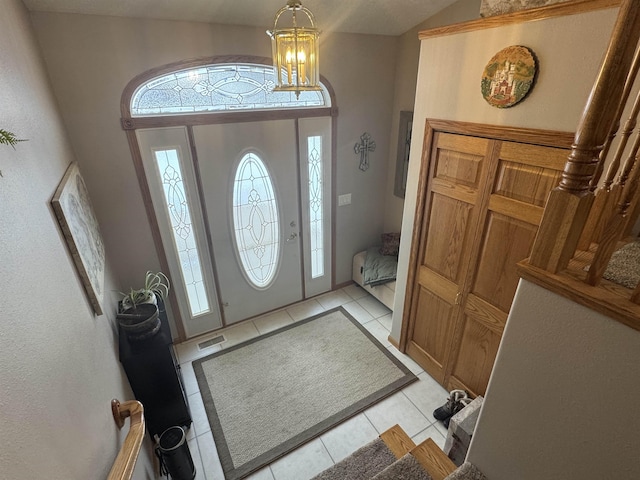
[(251, 195)]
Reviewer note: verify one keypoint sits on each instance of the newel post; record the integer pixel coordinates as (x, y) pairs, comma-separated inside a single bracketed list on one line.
[(569, 204)]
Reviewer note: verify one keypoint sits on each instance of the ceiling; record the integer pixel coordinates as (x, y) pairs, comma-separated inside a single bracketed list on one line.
[(383, 17)]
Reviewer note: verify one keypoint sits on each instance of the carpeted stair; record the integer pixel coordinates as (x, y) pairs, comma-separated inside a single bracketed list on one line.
[(467, 471), (394, 456), (407, 468), (364, 464)]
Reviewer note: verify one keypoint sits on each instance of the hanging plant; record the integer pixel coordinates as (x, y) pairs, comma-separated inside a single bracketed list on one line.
[(9, 138)]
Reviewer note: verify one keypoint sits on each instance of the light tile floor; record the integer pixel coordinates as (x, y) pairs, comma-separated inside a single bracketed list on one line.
[(411, 407)]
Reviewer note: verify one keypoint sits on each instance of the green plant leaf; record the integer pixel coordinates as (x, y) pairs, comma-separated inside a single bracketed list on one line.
[(9, 138), (154, 284)]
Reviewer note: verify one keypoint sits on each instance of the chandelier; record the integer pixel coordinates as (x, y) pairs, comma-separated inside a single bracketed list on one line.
[(295, 51)]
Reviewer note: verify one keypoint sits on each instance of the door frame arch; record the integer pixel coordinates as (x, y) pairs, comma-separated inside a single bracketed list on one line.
[(130, 124)]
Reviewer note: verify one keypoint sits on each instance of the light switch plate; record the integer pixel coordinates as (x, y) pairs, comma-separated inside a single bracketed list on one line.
[(344, 199)]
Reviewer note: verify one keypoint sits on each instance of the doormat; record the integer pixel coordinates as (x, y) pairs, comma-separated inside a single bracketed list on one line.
[(269, 395)]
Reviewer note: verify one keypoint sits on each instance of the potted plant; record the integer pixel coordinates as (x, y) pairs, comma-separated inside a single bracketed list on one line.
[(138, 310)]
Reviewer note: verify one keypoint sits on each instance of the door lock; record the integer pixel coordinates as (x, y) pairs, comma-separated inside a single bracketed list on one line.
[(458, 298)]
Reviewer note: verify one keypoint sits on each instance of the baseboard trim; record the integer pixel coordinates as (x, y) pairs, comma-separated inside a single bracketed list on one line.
[(344, 284)]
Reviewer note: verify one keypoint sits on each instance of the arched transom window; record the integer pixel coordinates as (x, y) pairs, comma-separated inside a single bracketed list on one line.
[(218, 88)]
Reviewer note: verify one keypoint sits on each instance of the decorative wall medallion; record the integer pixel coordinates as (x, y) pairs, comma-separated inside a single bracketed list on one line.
[(509, 76)]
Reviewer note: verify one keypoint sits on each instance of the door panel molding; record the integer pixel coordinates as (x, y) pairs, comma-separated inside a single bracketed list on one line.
[(515, 209), (485, 313), (509, 187)]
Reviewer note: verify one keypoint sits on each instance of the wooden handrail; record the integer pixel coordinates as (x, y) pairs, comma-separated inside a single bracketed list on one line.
[(593, 227), (628, 86), (608, 196), (578, 237), (570, 203), (122, 468)]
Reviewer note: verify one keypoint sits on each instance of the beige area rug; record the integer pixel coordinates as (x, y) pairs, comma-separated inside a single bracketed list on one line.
[(269, 395)]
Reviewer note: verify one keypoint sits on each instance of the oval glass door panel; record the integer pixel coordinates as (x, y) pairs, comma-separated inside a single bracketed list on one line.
[(255, 221)]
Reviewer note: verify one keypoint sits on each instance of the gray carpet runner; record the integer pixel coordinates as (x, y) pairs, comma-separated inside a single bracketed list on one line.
[(467, 471), (624, 267), (407, 468), (375, 461), (363, 464)]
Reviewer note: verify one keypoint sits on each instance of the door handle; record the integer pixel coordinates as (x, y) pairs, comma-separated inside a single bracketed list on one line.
[(292, 237), (458, 298)]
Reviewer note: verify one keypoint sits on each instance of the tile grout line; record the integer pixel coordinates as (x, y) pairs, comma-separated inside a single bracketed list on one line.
[(371, 423), (325, 447), (418, 408), (383, 326), (374, 427), (289, 315), (402, 360)]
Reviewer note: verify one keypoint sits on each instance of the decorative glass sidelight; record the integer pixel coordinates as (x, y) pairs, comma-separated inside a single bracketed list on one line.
[(177, 205), (255, 221), (316, 214)]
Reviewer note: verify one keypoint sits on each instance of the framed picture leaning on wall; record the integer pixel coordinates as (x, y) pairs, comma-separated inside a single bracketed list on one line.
[(75, 215)]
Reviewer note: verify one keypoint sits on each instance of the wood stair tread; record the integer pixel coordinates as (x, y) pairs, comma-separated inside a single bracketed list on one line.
[(433, 459), (397, 441), (428, 454)]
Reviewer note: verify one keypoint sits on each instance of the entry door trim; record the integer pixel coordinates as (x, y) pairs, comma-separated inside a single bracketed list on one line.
[(207, 228), (130, 126)]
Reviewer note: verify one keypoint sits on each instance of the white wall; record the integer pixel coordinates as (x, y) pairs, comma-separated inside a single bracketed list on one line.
[(406, 77), (90, 59), (556, 403), (560, 403), (569, 50), (60, 366)]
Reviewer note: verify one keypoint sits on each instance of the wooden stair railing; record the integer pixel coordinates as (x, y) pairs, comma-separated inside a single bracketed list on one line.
[(578, 236), (603, 195), (125, 462), (569, 204)]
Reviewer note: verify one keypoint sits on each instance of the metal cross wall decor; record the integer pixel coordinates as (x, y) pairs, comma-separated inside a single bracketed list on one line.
[(365, 146)]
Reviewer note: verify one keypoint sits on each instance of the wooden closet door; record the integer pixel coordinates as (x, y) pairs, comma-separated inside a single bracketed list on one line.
[(478, 214), (520, 182), (458, 168)]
